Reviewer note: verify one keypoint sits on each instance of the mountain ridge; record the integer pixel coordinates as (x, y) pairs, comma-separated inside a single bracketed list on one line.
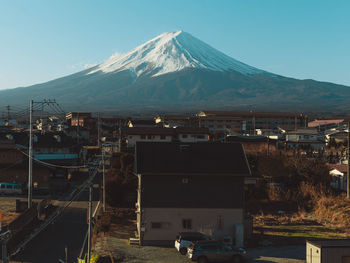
[(158, 76)]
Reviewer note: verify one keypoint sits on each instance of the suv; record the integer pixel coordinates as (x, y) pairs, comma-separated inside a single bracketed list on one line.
[(215, 251), (185, 239)]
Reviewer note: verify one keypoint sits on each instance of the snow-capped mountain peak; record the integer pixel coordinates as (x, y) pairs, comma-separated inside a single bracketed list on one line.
[(171, 52)]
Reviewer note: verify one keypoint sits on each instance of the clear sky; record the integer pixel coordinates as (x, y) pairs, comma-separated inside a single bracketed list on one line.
[(41, 40)]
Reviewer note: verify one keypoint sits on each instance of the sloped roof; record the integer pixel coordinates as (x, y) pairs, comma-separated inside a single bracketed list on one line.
[(164, 131), (250, 114), (340, 167), (323, 243), (317, 123), (191, 158)]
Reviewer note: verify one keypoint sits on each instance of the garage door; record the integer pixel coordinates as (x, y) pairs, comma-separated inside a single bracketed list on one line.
[(345, 259)]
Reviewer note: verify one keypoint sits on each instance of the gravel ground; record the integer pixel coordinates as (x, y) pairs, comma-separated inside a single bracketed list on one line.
[(287, 254), (8, 208), (123, 252), (123, 225)]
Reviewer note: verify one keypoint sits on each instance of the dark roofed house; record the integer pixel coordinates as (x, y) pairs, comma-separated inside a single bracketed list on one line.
[(190, 187)]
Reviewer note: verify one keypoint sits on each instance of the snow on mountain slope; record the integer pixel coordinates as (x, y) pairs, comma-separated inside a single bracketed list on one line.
[(171, 52)]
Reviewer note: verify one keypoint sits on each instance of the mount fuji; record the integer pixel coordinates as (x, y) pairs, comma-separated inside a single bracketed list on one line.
[(178, 72)]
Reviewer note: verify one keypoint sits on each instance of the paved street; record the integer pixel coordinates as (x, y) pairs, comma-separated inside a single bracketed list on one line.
[(68, 230)]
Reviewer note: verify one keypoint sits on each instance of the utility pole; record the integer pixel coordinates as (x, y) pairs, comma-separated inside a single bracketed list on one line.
[(90, 223), (30, 153), (268, 143), (78, 139), (253, 123), (30, 148), (4, 237), (8, 112), (348, 166), (104, 180), (98, 130), (120, 137)]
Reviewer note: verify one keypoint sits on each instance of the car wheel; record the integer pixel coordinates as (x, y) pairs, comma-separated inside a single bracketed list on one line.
[(237, 259), (202, 260), (183, 251)]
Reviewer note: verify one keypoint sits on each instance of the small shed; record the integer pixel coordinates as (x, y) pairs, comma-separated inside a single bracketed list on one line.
[(328, 251)]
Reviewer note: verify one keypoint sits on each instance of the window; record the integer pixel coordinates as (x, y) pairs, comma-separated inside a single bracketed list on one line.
[(143, 137), (2, 186), (200, 136), (184, 135), (162, 137), (185, 180), (130, 137), (187, 223), (9, 186)]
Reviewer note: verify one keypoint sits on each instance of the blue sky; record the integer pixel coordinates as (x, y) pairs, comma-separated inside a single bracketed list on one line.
[(41, 40)]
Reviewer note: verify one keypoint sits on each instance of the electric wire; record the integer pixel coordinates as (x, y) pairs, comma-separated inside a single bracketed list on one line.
[(54, 165)]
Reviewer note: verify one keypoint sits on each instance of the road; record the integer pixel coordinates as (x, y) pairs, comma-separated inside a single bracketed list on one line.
[(67, 231)]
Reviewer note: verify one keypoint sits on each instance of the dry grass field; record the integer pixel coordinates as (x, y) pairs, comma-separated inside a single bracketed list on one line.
[(8, 209)]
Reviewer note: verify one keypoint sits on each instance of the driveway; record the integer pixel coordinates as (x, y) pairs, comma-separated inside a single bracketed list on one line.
[(288, 254)]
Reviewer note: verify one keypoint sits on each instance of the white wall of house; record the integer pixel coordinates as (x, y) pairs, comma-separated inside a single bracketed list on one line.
[(338, 180), (313, 253), (302, 137), (163, 224), (132, 139), (193, 137)]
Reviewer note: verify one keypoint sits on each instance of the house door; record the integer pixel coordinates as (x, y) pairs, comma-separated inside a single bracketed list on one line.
[(345, 259)]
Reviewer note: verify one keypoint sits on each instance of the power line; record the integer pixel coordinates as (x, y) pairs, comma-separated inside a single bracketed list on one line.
[(54, 165)]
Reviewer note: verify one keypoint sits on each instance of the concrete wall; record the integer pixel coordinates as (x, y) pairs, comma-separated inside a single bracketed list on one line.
[(216, 222), (313, 254), (193, 137), (132, 139)]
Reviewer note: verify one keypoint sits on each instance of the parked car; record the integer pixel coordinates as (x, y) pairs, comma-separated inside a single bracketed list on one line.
[(10, 188), (185, 239), (215, 251)]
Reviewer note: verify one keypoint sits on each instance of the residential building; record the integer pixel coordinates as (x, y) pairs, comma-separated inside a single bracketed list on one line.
[(328, 251), (305, 139), (248, 122), (173, 121), (158, 134), (338, 173), (82, 119), (154, 134), (322, 125), (336, 136), (190, 187)]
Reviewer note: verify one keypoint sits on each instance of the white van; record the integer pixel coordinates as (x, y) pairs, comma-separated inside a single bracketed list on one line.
[(10, 188)]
